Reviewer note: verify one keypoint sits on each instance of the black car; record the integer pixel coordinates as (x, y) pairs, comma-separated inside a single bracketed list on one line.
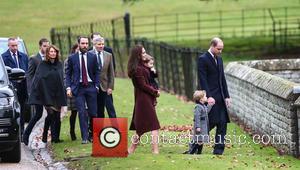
[(10, 140)]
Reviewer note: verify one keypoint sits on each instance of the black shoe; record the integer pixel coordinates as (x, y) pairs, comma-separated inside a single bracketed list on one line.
[(90, 139), (216, 152), (186, 152), (73, 136), (25, 139), (84, 142)]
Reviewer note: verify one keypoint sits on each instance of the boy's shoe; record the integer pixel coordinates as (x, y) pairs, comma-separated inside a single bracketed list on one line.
[(199, 151)]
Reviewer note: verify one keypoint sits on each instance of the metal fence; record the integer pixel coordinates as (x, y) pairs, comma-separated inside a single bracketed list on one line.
[(64, 37), (176, 66), (204, 25)]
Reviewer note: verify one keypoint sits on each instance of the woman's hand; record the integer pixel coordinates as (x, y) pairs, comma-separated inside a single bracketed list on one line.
[(158, 93)]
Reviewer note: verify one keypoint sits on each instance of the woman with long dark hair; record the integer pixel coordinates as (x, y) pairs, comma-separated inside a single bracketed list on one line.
[(144, 117)]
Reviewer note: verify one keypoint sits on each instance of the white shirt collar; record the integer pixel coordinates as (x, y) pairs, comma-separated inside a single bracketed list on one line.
[(11, 53), (42, 55), (79, 52), (211, 53)]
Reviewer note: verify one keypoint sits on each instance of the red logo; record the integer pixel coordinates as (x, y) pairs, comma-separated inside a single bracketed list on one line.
[(110, 137)]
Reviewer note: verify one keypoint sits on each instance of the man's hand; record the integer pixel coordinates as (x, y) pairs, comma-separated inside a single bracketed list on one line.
[(198, 129), (69, 93), (227, 102), (109, 91), (211, 101)]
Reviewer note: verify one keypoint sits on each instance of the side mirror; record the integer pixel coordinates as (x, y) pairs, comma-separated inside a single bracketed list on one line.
[(8, 69), (16, 74)]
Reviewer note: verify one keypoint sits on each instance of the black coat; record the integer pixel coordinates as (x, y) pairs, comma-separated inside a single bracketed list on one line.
[(32, 66), (212, 79), (48, 85)]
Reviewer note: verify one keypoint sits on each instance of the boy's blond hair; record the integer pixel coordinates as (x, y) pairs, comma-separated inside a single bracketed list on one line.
[(198, 95)]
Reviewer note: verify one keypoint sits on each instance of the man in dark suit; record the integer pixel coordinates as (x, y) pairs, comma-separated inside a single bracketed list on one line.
[(16, 59), (32, 66), (107, 77), (82, 81), (212, 79)]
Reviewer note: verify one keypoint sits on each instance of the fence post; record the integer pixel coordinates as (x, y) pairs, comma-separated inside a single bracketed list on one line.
[(187, 72), (92, 28), (52, 36), (127, 30), (163, 65), (113, 31), (69, 38), (274, 34)]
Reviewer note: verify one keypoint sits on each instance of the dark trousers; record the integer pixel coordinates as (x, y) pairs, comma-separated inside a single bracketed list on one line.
[(22, 102), (22, 97), (109, 104), (86, 95), (53, 120), (104, 100), (73, 121), (36, 117), (220, 133)]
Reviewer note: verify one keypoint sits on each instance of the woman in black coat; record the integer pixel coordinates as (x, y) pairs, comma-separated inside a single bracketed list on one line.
[(48, 90)]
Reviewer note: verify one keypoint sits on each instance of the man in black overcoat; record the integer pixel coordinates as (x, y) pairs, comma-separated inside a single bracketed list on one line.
[(211, 78)]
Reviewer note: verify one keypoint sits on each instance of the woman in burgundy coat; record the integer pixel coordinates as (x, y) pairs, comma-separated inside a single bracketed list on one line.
[(144, 117)]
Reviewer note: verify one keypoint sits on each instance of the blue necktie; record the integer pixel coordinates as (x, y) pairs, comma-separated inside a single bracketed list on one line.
[(99, 60), (15, 59)]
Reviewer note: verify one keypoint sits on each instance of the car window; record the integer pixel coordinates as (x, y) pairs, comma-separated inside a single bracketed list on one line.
[(3, 74), (4, 47)]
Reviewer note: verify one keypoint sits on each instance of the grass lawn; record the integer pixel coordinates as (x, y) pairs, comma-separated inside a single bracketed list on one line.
[(171, 111), (33, 19)]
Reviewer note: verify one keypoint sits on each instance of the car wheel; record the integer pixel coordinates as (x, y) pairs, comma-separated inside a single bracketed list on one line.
[(13, 156)]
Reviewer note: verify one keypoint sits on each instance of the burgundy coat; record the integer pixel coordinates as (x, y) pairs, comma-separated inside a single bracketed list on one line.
[(144, 117)]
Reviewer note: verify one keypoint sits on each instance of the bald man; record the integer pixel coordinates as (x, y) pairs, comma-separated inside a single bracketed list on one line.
[(211, 78)]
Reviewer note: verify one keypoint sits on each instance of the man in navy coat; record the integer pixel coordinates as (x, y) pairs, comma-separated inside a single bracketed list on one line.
[(82, 81), (212, 79), (15, 59)]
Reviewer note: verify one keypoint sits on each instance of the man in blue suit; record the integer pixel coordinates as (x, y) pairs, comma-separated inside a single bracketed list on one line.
[(15, 59), (212, 79), (82, 81)]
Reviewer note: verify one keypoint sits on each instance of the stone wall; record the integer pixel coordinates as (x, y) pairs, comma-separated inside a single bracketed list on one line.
[(285, 68), (266, 102)]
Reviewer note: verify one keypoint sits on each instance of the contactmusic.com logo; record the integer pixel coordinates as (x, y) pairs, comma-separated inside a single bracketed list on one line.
[(110, 137)]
